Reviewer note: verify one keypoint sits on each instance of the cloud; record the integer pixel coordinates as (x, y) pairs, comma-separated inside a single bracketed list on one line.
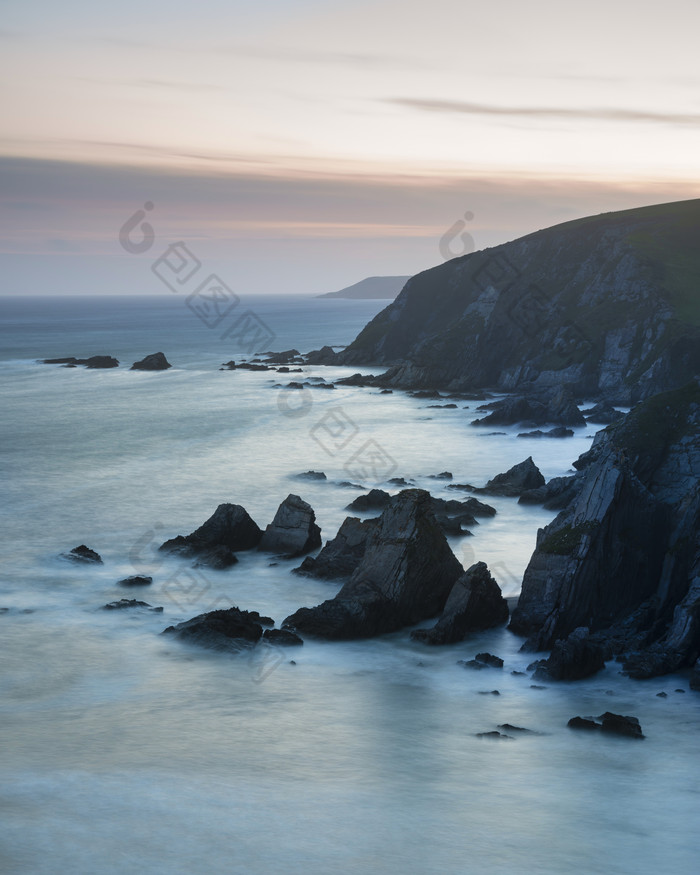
[(547, 113)]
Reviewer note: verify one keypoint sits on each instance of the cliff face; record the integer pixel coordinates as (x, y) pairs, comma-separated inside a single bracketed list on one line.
[(623, 558), (609, 305)]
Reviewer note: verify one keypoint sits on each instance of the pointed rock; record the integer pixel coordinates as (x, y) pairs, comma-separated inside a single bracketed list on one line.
[(293, 531)]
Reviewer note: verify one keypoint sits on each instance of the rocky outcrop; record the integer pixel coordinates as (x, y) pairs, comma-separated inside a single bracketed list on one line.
[(606, 305), (553, 408), (603, 414), (229, 529), (475, 603), (515, 481), (293, 531), (405, 576), (340, 556), (376, 499), (615, 724), (95, 361), (623, 558), (83, 554), (572, 658), (229, 630), (135, 580), (556, 494), (282, 638), (154, 362)]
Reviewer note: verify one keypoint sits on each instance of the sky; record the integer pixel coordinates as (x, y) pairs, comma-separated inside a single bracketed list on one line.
[(298, 146)]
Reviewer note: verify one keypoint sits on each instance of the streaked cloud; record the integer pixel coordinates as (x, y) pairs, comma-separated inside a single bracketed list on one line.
[(547, 113)]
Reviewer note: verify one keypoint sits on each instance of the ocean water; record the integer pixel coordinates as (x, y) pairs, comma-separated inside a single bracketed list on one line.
[(124, 751)]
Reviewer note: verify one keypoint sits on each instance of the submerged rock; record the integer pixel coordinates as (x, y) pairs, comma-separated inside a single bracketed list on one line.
[(122, 604), (213, 543), (293, 531), (231, 630), (558, 432), (93, 362), (475, 603), (405, 576), (311, 475), (154, 362), (83, 554)]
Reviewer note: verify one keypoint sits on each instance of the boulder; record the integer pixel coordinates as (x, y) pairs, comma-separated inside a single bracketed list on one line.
[(405, 576), (154, 362), (571, 659), (230, 630), (229, 528), (619, 725), (516, 480), (376, 499), (293, 531), (474, 603), (340, 556), (583, 723), (135, 580), (83, 554), (282, 637)]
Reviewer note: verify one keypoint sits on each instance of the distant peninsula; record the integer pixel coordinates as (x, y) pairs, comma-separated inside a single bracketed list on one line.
[(373, 288)]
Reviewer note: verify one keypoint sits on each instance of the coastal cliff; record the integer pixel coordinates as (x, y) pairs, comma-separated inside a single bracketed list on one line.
[(607, 304)]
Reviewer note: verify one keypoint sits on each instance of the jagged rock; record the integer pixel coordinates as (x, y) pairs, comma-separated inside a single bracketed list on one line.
[(556, 494), (376, 499), (558, 432), (623, 558), (603, 414), (282, 637), (516, 480), (264, 621), (95, 361), (312, 475), (154, 362), (130, 603), (135, 580), (474, 603), (572, 659), (293, 531), (341, 556), (83, 554), (229, 528), (232, 630), (404, 577)]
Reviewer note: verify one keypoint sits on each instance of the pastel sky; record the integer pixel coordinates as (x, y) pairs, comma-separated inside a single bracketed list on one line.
[(299, 145)]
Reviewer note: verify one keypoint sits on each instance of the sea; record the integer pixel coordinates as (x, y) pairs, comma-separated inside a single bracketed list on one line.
[(123, 750)]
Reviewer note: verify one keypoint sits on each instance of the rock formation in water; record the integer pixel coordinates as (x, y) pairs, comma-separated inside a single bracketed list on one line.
[(154, 362), (293, 531), (405, 576), (623, 558), (214, 543)]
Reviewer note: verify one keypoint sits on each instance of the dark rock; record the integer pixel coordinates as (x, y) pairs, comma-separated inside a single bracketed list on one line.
[(376, 499), (154, 362), (443, 406), (537, 687), (556, 494), (283, 637), (557, 408), (583, 723), (619, 725), (572, 659), (83, 554), (443, 475), (94, 362), (229, 365), (231, 630), (558, 432), (130, 603), (387, 392), (475, 603), (359, 380), (311, 475), (493, 734), (695, 676), (510, 728), (516, 480), (426, 393), (340, 556), (489, 693), (218, 558), (473, 664), (404, 577), (623, 557), (518, 673), (293, 531), (251, 366), (662, 695), (135, 580), (282, 358), (323, 356), (603, 414), (264, 621), (294, 385), (489, 659), (229, 528), (398, 481)]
